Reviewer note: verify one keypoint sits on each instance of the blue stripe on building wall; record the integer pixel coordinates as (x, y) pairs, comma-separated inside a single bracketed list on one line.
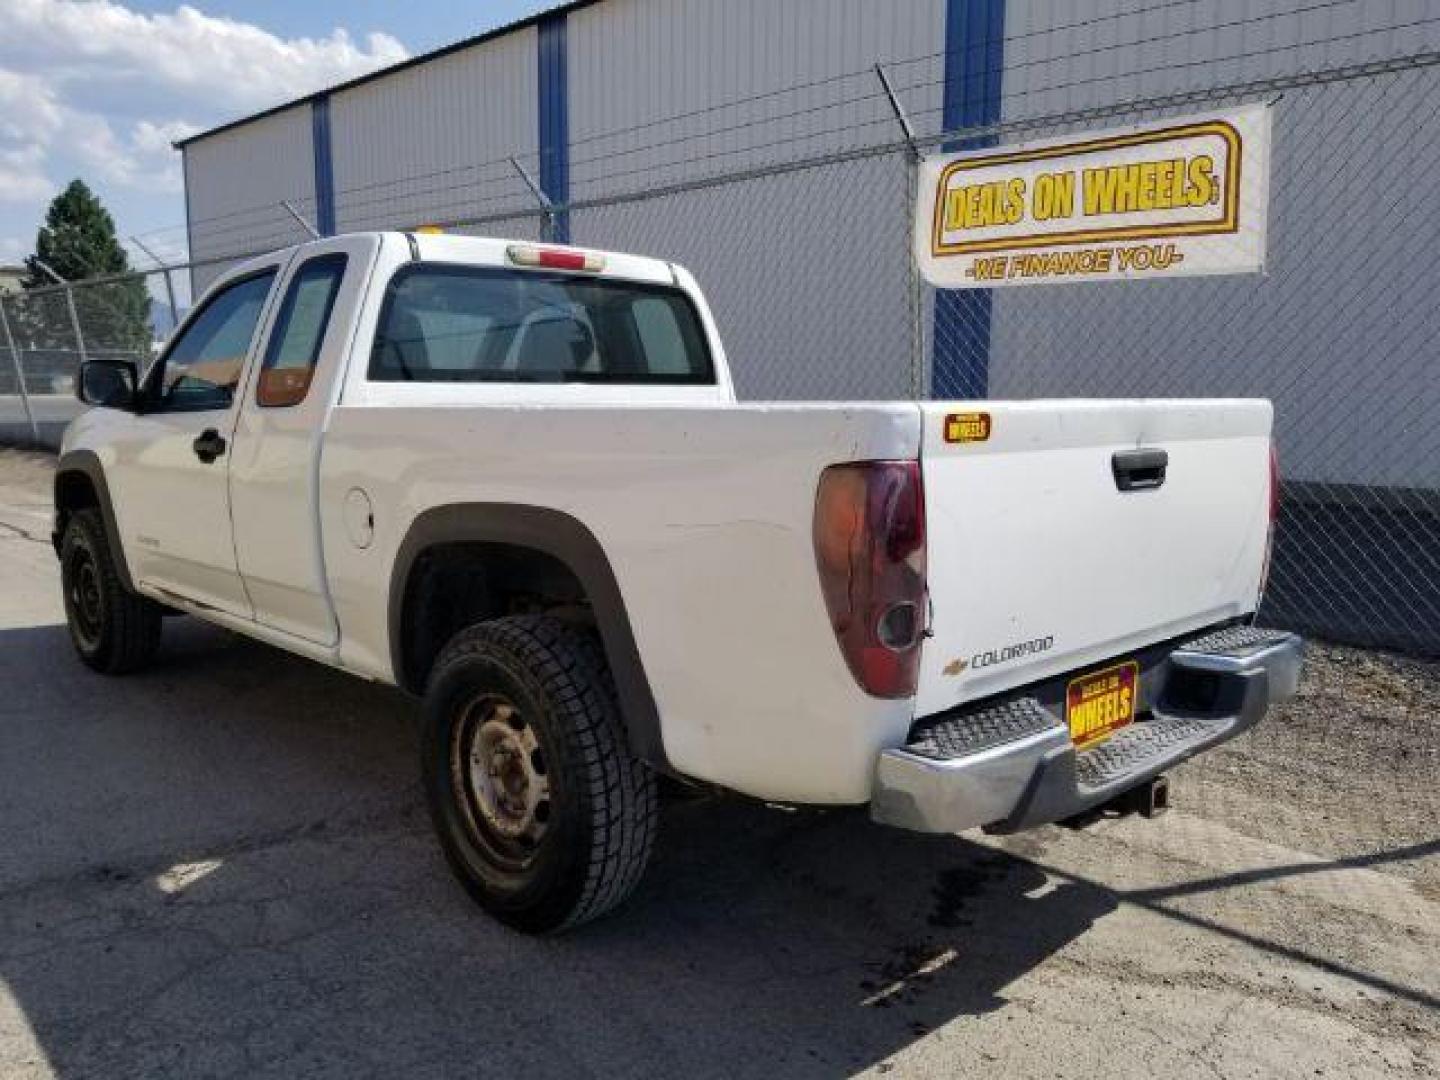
[(554, 120), (324, 170), (974, 70)]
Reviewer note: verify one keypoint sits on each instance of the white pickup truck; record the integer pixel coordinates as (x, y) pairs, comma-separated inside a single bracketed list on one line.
[(513, 479)]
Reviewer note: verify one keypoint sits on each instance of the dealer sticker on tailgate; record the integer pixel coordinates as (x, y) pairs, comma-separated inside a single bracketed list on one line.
[(1100, 704)]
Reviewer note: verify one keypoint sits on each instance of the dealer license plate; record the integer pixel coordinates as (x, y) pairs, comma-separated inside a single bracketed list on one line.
[(1100, 704)]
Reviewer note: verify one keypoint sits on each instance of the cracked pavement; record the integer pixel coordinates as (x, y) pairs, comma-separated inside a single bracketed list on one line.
[(221, 867)]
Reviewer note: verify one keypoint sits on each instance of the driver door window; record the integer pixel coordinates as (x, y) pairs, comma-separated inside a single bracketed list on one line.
[(202, 368)]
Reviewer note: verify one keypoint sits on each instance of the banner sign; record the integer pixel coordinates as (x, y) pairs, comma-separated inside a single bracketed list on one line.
[(1186, 196)]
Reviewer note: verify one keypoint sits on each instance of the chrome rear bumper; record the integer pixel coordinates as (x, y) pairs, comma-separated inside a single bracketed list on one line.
[(1012, 766)]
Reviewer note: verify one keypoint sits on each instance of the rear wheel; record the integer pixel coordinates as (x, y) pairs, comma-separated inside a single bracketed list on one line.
[(542, 812), (113, 629)]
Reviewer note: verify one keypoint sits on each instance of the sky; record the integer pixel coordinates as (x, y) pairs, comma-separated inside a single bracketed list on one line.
[(100, 88)]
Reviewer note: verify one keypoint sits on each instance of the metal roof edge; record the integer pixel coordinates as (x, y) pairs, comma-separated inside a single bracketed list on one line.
[(380, 73)]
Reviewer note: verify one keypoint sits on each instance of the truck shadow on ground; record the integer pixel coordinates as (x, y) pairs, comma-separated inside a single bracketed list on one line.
[(221, 867)]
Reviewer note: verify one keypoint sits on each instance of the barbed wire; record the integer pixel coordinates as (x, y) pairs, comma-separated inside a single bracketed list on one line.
[(1013, 39), (515, 201)]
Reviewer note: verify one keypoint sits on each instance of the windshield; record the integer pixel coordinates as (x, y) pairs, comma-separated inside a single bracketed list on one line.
[(471, 324)]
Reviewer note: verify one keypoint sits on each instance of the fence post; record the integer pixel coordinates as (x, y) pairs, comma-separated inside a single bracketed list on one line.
[(19, 373), (169, 285), (75, 325), (547, 208), (300, 220), (174, 311), (914, 287)]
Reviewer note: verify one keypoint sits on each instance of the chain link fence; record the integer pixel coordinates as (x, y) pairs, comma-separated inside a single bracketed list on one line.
[(1339, 331), (807, 262), (47, 331)]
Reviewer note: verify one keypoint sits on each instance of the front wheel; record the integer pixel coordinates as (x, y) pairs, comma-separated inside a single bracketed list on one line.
[(543, 814), (113, 629)]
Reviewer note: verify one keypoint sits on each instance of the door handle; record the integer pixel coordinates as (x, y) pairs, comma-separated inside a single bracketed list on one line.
[(1139, 470), (209, 445)]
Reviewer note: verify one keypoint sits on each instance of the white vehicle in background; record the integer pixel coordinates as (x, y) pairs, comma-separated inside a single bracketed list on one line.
[(514, 480)]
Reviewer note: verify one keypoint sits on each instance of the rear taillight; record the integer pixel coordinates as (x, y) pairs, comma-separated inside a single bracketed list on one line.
[(1274, 516), (870, 549)]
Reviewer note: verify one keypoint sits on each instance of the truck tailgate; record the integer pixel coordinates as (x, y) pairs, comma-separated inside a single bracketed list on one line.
[(1051, 547)]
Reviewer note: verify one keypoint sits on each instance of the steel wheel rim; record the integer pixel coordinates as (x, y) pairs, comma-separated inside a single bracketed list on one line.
[(84, 598), (501, 780)]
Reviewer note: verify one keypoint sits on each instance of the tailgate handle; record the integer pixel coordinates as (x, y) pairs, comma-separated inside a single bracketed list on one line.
[(1139, 470)]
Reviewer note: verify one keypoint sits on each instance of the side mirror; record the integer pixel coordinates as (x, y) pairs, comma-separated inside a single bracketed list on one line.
[(110, 384)]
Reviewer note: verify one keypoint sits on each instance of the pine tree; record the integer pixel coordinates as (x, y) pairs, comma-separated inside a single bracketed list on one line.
[(78, 242)]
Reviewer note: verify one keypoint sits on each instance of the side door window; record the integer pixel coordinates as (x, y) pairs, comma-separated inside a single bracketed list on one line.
[(202, 368), (299, 332)]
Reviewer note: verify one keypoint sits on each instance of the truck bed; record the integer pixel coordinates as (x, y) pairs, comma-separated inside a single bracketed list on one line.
[(705, 514)]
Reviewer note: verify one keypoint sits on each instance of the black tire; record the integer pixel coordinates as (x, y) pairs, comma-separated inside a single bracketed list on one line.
[(546, 842), (114, 630)]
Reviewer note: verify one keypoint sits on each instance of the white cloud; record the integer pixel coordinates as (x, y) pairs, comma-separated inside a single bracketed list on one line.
[(153, 138), (29, 111), (233, 64), (22, 173), (93, 85)]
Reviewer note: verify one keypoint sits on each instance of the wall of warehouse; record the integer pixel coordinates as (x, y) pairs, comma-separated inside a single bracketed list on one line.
[(1339, 324), (430, 143), (808, 271), (235, 182)]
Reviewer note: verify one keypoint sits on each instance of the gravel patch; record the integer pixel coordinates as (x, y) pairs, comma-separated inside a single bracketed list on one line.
[(1347, 769)]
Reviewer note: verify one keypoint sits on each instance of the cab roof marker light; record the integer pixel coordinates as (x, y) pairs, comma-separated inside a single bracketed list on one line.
[(555, 258)]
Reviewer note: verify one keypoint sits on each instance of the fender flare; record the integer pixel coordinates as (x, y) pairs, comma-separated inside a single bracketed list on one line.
[(566, 539), (86, 463)]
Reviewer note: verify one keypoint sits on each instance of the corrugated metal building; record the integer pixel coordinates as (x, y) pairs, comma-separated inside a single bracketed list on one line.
[(604, 97), (810, 271)]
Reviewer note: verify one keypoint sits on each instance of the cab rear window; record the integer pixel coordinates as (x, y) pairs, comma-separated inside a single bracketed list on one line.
[(443, 323)]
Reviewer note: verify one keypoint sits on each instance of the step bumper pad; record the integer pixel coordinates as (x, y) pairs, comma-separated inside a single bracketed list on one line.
[(1011, 765)]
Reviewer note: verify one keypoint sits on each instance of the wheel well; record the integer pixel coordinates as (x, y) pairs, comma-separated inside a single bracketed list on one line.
[(464, 562), (73, 491), (452, 586)]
